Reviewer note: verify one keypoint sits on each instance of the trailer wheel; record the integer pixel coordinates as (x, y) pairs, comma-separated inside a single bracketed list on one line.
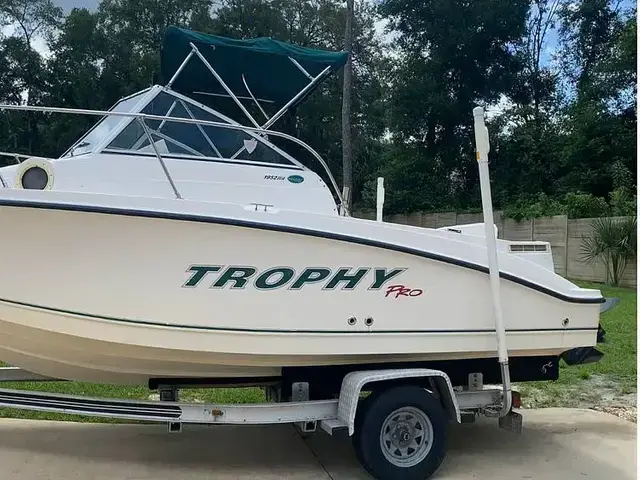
[(401, 434)]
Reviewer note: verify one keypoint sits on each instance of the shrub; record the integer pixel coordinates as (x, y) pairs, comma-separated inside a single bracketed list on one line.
[(614, 242), (541, 206), (585, 205), (623, 204)]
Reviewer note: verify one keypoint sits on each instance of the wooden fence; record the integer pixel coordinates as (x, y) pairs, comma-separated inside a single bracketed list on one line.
[(564, 234)]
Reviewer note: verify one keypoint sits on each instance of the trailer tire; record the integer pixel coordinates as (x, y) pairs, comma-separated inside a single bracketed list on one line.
[(400, 434), (363, 407)]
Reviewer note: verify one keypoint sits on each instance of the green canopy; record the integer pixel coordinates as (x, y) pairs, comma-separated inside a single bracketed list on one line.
[(270, 74)]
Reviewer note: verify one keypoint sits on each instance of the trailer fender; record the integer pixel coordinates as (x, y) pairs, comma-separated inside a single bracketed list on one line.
[(353, 383)]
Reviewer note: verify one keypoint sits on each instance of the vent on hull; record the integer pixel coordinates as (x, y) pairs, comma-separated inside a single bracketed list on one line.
[(528, 247)]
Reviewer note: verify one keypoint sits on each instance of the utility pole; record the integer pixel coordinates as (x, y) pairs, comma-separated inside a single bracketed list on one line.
[(347, 146)]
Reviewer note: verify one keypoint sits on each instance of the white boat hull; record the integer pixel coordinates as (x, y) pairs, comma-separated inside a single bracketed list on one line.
[(37, 349), (122, 298)]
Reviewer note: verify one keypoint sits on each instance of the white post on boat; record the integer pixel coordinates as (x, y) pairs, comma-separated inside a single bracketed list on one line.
[(379, 199), (482, 156), (345, 206)]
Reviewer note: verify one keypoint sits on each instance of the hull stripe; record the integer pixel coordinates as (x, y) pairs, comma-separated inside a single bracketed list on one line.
[(255, 330)]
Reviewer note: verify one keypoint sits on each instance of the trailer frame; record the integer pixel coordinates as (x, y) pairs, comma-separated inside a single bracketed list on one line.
[(454, 405)]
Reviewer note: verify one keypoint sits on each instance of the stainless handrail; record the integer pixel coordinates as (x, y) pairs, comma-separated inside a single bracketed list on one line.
[(146, 116), (17, 156), (145, 128)]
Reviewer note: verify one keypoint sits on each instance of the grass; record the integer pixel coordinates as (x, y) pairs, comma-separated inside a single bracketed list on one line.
[(581, 385), (613, 377)]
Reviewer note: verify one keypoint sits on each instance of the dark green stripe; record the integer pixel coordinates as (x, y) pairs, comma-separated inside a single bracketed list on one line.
[(254, 330)]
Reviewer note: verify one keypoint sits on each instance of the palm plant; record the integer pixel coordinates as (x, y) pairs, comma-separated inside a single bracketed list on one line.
[(614, 242)]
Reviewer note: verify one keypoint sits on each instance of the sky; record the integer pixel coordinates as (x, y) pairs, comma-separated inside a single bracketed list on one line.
[(67, 5)]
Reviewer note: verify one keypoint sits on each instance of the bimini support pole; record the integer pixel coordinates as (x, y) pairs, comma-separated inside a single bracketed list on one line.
[(146, 131), (180, 68), (195, 50), (302, 92), (482, 156), (379, 199)]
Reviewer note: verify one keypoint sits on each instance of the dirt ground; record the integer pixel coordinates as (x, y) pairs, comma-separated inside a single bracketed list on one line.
[(599, 392)]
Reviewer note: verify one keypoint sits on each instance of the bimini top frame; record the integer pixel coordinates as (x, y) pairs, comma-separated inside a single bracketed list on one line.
[(268, 72), (281, 74)]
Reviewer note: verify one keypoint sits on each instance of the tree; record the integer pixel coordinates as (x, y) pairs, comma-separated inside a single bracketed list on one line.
[(30, 17), (526, 135), (75, 78), (600, 118), (452, 57)]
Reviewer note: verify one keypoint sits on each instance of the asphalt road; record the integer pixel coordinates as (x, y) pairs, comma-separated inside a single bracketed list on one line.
[(562, 444)]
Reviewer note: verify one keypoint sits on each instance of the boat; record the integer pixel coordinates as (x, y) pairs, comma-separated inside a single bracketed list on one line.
[(174, 243)]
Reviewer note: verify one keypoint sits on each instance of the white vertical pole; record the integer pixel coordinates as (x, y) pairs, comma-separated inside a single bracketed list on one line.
[(379, 199), (482, 156), (346, 201)]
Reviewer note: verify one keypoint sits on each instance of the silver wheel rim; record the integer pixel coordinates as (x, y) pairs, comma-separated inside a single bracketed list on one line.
[(406, 437)]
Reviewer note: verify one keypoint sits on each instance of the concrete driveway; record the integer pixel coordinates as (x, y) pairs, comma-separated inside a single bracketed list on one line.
[(556, 444)]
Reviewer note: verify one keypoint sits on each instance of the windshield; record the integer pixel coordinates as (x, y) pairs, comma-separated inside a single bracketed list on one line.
[(185, 139), (103, 128)]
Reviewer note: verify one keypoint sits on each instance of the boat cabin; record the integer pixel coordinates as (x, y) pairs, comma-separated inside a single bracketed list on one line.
[(174, 140)]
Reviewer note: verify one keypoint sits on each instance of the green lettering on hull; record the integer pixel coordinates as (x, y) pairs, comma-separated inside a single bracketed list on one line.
[(273, 278), (199, 272), (350, 280), (238, 275), (282, 276), (382, 277), (310, 275)]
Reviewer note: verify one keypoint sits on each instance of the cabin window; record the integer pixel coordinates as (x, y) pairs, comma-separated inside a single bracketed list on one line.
[(192, 139)]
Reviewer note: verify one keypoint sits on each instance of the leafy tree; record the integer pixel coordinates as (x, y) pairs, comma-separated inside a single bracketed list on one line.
[(75, 78), (452, 56), (30, 18)]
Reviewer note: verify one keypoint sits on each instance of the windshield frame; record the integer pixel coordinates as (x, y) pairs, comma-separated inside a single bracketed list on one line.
[(224, 118), (144, 96)]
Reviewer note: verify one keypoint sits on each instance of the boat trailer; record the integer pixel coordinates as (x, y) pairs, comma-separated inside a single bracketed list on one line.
[(395, 417)]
